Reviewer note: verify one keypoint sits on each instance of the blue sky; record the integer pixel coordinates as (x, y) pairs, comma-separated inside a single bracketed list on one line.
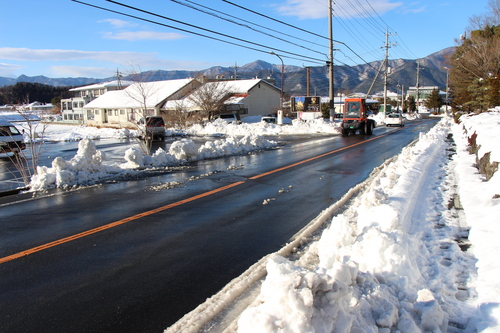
[(62, 38)]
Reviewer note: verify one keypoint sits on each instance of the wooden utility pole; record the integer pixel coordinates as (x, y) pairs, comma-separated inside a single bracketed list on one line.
[(418, 85), (330, 29), (308, 81), (386, 60)]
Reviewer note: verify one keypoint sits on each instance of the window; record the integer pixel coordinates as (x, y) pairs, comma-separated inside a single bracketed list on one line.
[(96, 111), (353, 109)]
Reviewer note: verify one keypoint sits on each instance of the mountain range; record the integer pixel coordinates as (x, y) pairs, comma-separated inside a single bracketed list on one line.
[(348, 79)]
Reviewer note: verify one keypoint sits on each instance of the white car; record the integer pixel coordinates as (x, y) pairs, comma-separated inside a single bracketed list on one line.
[(394, 119), (230, 118), (269, 120), (11, 140)]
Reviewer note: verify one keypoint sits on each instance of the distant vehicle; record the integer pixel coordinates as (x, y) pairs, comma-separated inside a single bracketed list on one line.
[(153, 127), (11, 140), (355, 117), (269, 120), (230, 118), (394, 119)]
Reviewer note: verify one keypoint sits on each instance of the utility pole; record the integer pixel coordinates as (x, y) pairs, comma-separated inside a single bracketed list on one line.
[(402, 98), (418, 85), (332, 81), (386, 60), (308, 81)]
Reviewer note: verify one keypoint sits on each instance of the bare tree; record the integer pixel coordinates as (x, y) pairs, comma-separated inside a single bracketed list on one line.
[(26, 161), (140, 93), (181, 116), (210, 97), (492, 18)]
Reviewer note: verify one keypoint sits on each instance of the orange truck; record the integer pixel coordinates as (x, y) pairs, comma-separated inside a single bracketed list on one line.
[(355, 117)]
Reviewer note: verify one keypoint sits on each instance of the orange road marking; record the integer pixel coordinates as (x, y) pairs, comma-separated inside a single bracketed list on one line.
[(169, 206), (114, 224)]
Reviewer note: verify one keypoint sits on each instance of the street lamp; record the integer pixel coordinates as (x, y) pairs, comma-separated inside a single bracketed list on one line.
[(282, 79)]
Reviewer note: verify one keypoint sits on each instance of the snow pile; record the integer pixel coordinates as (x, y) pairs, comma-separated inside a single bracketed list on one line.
[(388, 263), (481, 202), (77, 133), (88, 165), (220, 127)]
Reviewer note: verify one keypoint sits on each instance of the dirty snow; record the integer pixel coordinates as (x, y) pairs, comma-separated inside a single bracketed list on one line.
[(392, 261)]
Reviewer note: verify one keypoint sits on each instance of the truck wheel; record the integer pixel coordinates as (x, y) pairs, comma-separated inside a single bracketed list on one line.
[(369, 128), (345, 132), (362, 129)]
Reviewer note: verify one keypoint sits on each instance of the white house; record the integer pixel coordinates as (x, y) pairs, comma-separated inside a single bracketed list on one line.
[(124, 108), (246, 97), (72, 108)]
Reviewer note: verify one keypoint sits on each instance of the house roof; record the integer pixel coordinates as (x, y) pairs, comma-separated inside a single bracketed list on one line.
[(134, 95), (242, 86), (236, 87), (103, 85)]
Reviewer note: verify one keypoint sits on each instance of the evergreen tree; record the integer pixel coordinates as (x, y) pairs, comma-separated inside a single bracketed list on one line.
[(434, 101), (476, 71), (412, 105)]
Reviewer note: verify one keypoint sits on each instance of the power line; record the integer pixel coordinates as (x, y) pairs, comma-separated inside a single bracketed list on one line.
[(241, 24), (303, 58), (273, 19), (211, 31), (258, 25)]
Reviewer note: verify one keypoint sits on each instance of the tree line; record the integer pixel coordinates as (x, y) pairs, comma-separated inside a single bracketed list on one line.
[(475, 74), (28, 92)]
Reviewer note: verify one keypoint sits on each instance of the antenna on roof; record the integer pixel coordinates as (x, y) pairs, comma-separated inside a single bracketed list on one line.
[(235, 67), (118, 78)]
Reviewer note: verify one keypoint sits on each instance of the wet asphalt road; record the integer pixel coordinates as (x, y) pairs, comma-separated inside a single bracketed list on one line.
[(168, 250)]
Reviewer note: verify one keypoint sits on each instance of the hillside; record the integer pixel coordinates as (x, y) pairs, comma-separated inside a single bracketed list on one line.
[(347, 78)]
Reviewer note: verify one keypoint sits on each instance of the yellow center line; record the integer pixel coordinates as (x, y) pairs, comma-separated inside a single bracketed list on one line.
[(169, 206)]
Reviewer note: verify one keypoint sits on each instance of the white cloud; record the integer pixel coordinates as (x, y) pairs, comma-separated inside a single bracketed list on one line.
[(413, 8), (25, 54), (9, 70), (75, 71), (143, 35), (313, 9), (118, 23), (71, 63)]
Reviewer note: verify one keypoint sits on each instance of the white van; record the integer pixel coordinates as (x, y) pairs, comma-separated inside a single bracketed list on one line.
[(11, 140)]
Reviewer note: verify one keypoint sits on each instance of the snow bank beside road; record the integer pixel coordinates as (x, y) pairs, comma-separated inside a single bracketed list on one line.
[(381, 265), (481, 202), (88, 165)]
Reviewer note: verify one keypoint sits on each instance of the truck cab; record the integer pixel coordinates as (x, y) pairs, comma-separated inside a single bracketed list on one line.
[(355, 117)]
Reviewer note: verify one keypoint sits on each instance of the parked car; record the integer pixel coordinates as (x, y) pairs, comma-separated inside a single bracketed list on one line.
[(230, 118), (153, 127), (11, 140), (269, 120), (396, 119)]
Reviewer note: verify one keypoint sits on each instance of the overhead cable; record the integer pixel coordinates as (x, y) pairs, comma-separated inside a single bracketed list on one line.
[(243, 25), (319, 61), (209, 30)]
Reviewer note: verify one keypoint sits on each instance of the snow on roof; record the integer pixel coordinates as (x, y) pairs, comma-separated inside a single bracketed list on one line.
[(133, 96), (103, 85), (241, 86), (238, 99)]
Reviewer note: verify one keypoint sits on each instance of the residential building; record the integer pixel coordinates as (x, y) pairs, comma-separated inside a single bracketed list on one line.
[(245, 97), (72, 108), (125, 108)]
